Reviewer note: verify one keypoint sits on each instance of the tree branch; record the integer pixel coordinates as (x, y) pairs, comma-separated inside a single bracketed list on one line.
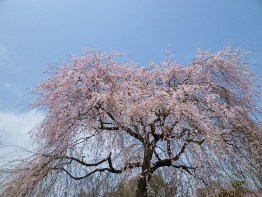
[(88, 174), (168, 147), (110, 169), (168, 162), (128, 130)]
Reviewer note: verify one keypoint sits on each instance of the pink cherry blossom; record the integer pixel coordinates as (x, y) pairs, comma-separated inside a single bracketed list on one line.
[(103, 116)]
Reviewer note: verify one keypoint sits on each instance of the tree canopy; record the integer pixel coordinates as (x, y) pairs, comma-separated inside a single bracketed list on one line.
[(105, 117)]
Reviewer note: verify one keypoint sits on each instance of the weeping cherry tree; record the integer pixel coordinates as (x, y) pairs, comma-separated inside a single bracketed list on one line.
[(105, 118)]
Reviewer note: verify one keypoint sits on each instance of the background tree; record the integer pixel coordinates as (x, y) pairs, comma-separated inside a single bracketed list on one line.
[(103, 117), (157, 187), (235, 189)]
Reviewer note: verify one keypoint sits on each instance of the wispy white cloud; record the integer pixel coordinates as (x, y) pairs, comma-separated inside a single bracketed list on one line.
[(14, 136), (16, 127)]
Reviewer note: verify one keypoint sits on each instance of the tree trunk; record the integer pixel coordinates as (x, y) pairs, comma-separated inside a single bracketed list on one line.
[(142, 187), (143, 181)]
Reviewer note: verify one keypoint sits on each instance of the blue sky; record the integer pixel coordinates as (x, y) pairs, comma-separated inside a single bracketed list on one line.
[(35, 33)]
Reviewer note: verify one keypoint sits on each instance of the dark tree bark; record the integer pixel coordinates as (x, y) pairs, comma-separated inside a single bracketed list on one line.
[(142, 185), (144, 179)]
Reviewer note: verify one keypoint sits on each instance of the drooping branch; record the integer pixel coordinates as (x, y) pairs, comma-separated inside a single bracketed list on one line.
[(81, 162), (168, 145), (170, 160), (88, 174), (157, 155), (187, 169), (110, 169), (118, 126), (128, 130)]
